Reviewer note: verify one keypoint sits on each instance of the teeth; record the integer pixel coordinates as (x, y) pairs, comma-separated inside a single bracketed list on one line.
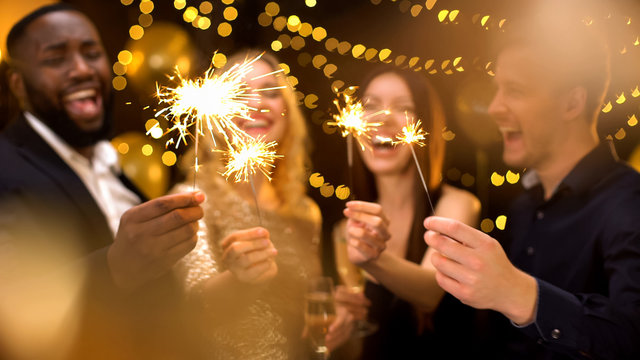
[(82, 94), (381, 140), (255, 124)]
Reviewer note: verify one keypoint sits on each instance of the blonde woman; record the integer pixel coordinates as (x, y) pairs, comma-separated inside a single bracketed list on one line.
[(247, 282)]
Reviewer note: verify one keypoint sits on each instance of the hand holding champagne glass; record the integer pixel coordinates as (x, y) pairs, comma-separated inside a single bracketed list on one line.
[(320, 312)]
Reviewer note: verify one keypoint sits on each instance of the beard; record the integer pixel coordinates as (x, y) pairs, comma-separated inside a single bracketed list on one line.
[(59, 121)]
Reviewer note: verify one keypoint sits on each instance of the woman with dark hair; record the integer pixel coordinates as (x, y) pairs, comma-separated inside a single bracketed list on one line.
[(383, 230)]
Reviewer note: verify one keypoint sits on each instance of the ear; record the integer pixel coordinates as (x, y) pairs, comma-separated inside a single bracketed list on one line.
[(575, 102), (16, 84)]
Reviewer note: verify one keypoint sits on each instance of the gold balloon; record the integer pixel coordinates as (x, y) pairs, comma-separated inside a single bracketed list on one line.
[(141, 161), (156, 55)]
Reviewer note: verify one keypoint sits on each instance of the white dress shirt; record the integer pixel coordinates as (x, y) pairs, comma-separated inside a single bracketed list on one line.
[(100, 175)]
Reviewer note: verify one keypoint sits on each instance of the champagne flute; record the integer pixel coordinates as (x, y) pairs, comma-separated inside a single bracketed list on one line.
[(353, 278), (320, 312)]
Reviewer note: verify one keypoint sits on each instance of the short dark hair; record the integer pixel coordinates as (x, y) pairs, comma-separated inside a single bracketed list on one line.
[(18, 30)]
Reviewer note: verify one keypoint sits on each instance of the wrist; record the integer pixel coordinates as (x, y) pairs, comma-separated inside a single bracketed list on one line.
[(520, 306)]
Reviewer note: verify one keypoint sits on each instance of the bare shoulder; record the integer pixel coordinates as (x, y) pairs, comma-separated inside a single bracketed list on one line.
[(458, 204)]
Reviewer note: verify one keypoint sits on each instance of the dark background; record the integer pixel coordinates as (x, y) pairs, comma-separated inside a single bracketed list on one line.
[(475, 152)]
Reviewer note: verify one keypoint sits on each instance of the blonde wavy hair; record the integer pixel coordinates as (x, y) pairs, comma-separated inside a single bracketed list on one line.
[(290, 172)]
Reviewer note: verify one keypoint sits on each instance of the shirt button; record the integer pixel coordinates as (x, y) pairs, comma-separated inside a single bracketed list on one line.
[(540, 215), (530, 250), (555, 334)]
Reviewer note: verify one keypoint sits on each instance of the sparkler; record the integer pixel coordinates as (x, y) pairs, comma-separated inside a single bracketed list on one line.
[(246, 159), (210, 104), (413, 134), (353, 122)]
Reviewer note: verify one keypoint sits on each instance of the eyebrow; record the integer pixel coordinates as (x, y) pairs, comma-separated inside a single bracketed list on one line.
[(62, 45)]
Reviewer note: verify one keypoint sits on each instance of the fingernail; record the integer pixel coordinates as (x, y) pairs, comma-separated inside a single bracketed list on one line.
[(199, 196), (274, 251)]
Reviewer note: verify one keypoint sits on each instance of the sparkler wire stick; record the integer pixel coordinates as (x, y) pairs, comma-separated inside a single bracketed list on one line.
[(350, 164), (413, 152), (255, 199)]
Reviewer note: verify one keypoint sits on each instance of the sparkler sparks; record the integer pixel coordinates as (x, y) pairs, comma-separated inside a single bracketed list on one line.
[(352, 120), (411, 134), (210, 104), (247, 158)]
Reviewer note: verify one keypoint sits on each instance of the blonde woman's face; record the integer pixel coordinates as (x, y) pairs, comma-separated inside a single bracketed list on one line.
[(389, 92), (269, 118)]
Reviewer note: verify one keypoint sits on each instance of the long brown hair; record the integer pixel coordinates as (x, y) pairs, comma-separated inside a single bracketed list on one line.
[(430, 111)]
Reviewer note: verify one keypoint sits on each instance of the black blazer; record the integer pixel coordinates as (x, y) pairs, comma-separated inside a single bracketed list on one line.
[(44, 209)]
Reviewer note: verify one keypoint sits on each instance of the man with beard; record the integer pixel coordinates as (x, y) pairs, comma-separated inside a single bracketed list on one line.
[(69, 219)]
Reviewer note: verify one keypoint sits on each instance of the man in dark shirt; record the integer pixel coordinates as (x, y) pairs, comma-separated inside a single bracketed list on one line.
[(567, 284)]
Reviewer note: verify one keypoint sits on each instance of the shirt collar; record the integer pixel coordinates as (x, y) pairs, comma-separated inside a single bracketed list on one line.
[(587, 172), (104, 155)]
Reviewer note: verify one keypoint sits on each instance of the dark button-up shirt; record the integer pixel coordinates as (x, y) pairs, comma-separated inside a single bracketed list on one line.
[(583, 247)]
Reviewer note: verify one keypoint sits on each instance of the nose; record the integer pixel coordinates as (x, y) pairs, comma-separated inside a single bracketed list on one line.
[(497, 106), (80, 68)]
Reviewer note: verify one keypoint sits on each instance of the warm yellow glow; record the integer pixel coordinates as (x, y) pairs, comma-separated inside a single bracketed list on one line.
[(384, 54), (310, 3), (123, 148), (293, 21), (607, 107), (512, 178), (632, 120), (319, 33), (145, 20), (329, 69), (204, 23), (272, 9), (358, 50), (126, 2), (415, 10), (169, 158), (448, 135), (305, 29), (285, 68), (276, 45), (227, 2), (205, 7), (119, 83), (453, 14), (501, 222), (318, 61), (230, 13), (136, 32), (442, 15), (486, 225), (484, 20), (620, 134), (119, 68), (147, 150), (146, 7), (326, 190), (310, 101), (224, 29), (219, 60), (125, 57), (179, 4), (497, 179), (343, 192), (264, 19), (430, 4), (316, 180), (297, 42), (190, 14)]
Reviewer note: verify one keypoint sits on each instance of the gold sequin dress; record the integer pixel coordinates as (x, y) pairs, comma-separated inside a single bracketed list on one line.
[(271, 326)]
